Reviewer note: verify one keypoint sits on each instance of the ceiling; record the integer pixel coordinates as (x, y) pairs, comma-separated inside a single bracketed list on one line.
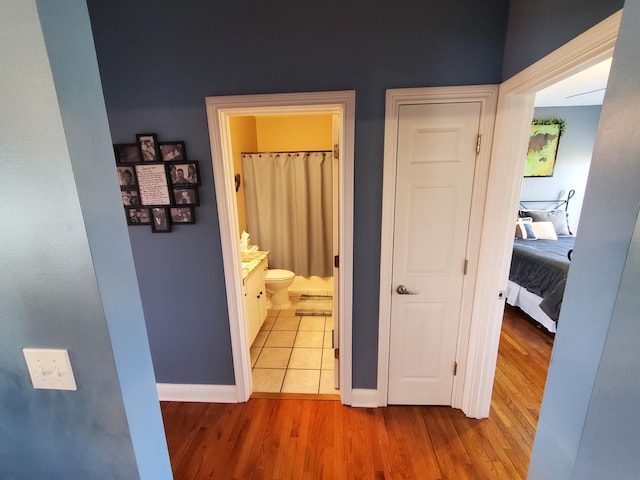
[(584, 88)]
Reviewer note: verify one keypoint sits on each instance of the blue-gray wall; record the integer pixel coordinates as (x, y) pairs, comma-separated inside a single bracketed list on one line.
[(66, 279), (589, 424), (572, 162), (158, 61), (66, 270), (538, 28)]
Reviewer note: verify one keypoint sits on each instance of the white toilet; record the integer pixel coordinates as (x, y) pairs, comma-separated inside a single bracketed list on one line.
[(277, 282)]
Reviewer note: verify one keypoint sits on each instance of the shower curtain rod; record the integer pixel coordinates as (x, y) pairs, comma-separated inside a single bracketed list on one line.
[(289, 151)]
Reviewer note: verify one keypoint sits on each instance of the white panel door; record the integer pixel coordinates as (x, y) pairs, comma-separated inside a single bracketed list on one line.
[(434, 174)]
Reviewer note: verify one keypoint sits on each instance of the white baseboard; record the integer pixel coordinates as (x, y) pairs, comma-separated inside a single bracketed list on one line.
[(182, 392), (364, 397)]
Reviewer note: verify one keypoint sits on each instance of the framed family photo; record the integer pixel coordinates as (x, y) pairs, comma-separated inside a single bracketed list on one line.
[(130, 197), (160, 222), (182, 215), (138, 216), (170, 151), (186, 196), (127, 153), (184, 173), (149, 148), (127, 178)]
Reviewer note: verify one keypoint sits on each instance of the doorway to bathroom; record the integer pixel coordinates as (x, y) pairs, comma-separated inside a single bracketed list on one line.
[(284, 174), (314, 128)]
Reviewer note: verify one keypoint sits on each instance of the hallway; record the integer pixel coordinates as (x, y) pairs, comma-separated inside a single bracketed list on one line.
[(316, 439)]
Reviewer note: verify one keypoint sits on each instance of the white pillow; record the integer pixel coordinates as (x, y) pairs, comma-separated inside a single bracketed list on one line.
[(524, 230), (544, 230), (559, 218)]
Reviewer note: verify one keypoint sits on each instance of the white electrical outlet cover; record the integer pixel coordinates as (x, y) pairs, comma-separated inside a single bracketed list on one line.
[(50, 368)]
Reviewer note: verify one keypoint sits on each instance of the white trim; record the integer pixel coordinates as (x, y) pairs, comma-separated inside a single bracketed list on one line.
[(219, 109), (515, 109), (364, 398), (182, 392), (486, 95), (586, 50)]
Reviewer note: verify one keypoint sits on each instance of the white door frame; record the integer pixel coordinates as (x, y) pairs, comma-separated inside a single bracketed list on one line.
[(219, 109), (487, 96), (513, 118)]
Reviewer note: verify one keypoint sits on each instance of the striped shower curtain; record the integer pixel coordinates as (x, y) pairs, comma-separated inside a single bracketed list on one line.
[(288, 198)]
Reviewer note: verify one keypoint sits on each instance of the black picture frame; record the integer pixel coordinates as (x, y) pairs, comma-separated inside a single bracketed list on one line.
[(153, 184), (126, 153), (160, 221), (158, 184), (138, 216), (182, 215), (173, 151), (130, 197), (186, 196), (127, 177), (149, 148), (184, 173)]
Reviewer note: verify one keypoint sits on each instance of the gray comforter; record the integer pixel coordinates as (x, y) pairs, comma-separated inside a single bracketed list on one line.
[(541, 267)]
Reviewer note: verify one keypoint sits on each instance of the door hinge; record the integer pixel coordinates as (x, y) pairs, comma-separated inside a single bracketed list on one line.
[(336, 151), (466, 265), (336, 261), (336, 354), (455, 368), (478, 142)]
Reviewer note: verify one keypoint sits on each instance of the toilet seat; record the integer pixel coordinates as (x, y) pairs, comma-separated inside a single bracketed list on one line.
[(279, 274)]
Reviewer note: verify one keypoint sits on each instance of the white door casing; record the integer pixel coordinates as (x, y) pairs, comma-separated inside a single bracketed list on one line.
[(337, 154), (219, 109), (435, 166), (485, 97), (514, 113)]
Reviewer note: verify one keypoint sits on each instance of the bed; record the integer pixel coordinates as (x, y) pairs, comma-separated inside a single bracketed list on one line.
[(540, 261)]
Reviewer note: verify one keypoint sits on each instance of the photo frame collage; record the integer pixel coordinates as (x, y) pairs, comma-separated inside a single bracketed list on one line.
[(159, 185)]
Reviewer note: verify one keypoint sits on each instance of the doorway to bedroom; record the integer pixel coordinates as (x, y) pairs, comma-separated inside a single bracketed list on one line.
[(579, 72), (564, 127)]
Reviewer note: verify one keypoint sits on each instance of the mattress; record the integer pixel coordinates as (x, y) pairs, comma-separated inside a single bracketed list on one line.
[(529, 303), (541, 267)]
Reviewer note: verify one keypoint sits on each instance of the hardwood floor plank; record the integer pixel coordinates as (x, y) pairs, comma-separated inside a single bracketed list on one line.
[(299, 438), (417, 459)]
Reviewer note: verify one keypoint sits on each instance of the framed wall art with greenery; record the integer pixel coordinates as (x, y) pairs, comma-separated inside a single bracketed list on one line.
[(543, 147)]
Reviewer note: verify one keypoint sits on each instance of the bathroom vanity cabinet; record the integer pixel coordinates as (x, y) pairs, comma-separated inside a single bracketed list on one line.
[(255, 298)]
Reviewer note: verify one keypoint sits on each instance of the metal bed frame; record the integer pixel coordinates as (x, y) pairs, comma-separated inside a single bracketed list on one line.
[(558, 203)]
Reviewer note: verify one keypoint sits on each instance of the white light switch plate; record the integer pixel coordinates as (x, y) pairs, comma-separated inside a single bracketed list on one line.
[(50, 368)]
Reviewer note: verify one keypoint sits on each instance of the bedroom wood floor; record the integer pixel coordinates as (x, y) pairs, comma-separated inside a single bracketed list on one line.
[(321, 439)]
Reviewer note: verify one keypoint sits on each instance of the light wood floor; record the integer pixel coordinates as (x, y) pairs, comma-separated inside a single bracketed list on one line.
[(321, 439)]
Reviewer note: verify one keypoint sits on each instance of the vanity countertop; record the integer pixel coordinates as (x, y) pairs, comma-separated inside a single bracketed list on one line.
[(251, 260)]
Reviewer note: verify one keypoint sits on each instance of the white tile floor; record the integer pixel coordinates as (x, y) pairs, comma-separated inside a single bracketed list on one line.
[(311, 286), (292, 354)]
